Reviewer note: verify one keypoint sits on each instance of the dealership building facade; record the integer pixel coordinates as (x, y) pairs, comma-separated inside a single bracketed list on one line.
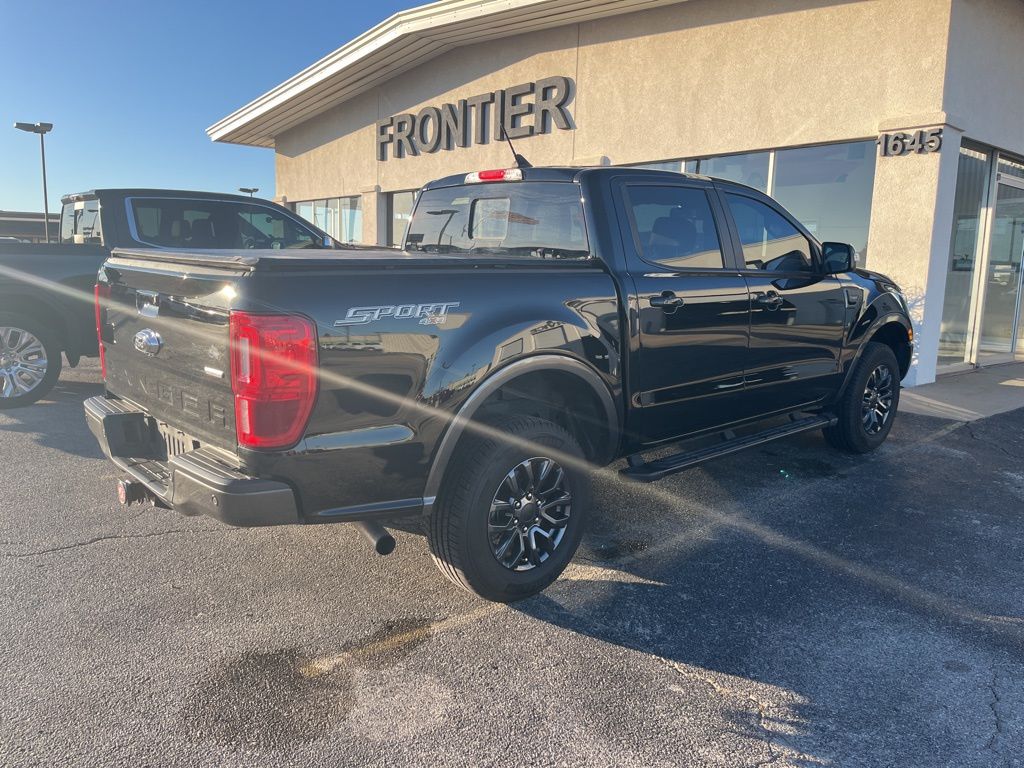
[(897, 126)]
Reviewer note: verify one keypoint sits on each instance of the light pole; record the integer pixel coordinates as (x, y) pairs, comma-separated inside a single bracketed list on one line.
[(42, 129), (249, 190)]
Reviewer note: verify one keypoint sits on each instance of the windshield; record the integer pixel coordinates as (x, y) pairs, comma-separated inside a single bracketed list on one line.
[(535, 219), (216, 224)]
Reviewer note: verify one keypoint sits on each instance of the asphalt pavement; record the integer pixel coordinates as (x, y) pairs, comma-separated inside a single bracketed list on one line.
[(789, 606)]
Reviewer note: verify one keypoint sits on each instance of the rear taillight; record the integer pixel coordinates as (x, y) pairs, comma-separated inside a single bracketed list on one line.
[(273, 376), (101, 292)]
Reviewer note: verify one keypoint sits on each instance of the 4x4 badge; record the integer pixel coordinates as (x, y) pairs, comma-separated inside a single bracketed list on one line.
[(148, 342)]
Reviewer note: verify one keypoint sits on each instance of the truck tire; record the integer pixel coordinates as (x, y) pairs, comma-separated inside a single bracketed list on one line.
[(30, 361), (867, 409), (510, 517)]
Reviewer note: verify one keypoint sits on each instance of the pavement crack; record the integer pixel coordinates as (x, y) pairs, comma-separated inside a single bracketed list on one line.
[(974, 435), (759, 707), (994, 706), (108, 537)]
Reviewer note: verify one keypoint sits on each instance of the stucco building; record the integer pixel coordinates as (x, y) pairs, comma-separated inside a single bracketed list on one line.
[(896, 125)]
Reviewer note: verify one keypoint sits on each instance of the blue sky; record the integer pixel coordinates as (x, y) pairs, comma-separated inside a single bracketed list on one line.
[(131, 86)]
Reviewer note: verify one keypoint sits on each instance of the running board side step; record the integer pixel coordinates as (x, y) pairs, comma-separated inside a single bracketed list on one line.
[(647, 472)]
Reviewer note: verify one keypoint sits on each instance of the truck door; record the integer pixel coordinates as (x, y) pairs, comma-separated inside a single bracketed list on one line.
[(690, 309), (798, 314)]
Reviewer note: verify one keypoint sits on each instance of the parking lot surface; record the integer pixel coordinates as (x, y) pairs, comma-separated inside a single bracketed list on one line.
[(789, 606)]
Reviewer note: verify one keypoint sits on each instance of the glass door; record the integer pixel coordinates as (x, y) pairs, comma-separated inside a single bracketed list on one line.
[(999, 337)]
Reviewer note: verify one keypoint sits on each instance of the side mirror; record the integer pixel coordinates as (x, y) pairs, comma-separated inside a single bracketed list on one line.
[(838, 258)]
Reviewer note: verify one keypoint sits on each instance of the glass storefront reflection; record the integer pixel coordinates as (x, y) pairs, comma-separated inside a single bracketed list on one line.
[(340, 217), (400, 207), (750, 169), (971, 190), (1003, 279), (829, 190)]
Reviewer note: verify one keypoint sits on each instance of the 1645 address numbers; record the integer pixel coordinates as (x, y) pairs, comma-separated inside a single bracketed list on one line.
[(919, 142)]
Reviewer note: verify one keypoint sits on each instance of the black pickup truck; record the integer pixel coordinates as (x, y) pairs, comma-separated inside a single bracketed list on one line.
[(539, 323), (46, 290)]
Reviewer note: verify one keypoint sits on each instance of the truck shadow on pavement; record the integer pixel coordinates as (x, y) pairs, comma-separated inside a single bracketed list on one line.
[(826, 602)]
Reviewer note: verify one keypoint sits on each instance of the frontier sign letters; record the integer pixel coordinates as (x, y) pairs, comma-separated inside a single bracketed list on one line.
[(520, 110)]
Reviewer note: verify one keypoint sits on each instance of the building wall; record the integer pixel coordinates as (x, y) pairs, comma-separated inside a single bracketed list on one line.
[(718, 77), (696, 78), (986, 71)]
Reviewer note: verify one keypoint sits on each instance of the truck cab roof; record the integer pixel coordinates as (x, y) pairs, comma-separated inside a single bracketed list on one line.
[(94, 194), (570, 173)]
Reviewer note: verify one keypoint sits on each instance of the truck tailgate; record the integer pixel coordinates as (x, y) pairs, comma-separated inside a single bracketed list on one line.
[(167, 346)]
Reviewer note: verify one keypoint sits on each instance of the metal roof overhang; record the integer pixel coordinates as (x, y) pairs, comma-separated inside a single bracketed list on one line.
[(396, 45)]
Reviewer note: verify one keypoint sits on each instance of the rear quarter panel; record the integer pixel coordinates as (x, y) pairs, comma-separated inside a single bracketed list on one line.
[(394, 383)]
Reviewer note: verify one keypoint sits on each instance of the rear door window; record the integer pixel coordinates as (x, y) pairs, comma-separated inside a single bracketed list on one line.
[(216, 224), (674, 227)]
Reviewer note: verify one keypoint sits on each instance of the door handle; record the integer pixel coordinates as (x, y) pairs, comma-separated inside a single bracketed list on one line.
[(667, 301), (770, 300)]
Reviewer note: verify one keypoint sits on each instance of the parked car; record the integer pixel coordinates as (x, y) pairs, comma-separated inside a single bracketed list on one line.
[(46, 290), (541, 322)]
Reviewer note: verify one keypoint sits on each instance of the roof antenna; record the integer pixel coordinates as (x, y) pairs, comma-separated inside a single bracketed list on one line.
[(520, 161)]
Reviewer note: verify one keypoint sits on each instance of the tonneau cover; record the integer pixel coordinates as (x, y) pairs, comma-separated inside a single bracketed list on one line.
[(355, 255)]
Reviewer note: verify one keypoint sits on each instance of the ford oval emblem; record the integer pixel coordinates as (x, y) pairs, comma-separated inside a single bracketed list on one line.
[(148, 342)]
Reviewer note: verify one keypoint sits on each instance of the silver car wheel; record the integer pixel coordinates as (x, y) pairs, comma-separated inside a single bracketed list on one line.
[(23, 362)]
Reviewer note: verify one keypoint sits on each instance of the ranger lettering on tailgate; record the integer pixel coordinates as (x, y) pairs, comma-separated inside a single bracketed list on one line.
[(187, 402)]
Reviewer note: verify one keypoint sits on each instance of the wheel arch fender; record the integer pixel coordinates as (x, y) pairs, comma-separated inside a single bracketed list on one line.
[(871, 331), (503, 376)]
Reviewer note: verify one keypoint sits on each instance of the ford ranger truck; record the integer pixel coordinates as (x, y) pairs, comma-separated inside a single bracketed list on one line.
[(46, 290), (539, 324)]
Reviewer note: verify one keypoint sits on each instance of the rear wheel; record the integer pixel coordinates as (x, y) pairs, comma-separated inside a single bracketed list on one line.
[(867, 409), (30, 361), (511, 512)]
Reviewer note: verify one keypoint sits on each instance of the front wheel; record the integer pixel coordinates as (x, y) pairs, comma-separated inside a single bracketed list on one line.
[(868, 407), (30, 361), (512, 509)]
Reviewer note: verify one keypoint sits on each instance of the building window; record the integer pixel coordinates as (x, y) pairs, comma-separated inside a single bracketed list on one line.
[(828, 189), (676, 166), (350, 219), (972, 181), (750, 169), (340, 217), (400, 206), (1011, 167)]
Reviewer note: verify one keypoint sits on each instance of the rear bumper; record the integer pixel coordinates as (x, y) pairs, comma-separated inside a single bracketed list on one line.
[(193, 483)]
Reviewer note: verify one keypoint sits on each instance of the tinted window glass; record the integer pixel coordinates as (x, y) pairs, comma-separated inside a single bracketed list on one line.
[(217, 224), (770, 241), (675, 227), (538, 219)]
